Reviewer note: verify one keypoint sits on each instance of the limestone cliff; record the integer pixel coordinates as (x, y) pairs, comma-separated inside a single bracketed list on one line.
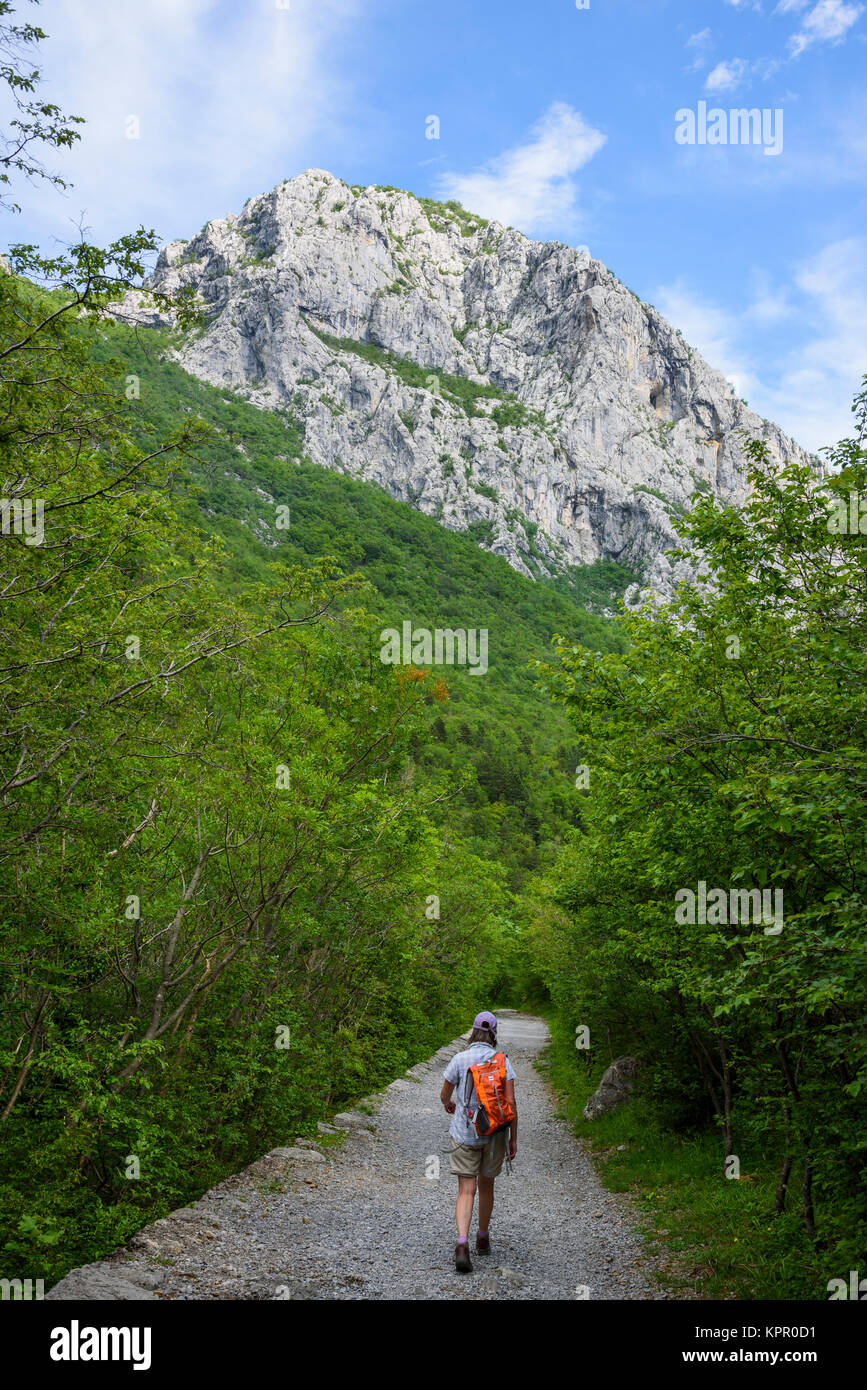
[(509, 386)]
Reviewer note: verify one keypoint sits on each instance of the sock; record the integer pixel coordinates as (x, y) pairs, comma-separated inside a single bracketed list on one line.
[(462, 1240), (480, 1232)]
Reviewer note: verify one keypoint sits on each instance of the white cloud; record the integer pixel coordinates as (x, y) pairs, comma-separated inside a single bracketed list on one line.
[(821, 311), (532, 186), (700, 45), (769, 305), (827, 23), (225, 100), (726, 76), (836, 281), (714, 331)]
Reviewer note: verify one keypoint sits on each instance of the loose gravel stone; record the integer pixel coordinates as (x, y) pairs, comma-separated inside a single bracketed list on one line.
[(374, 1219)]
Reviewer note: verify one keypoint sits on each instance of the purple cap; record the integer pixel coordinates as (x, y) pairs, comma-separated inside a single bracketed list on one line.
[(485, 1020)]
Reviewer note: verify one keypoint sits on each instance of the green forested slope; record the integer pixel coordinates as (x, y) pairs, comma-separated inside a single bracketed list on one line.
[(518, 747), (709, 918), (247, 870)]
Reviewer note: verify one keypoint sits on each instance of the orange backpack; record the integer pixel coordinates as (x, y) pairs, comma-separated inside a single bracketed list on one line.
[(493, 1112)]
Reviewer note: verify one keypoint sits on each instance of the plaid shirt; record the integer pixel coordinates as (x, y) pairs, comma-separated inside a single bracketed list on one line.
[(462, 1129)]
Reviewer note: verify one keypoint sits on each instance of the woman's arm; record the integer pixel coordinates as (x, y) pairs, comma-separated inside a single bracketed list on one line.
[(446, 1097)]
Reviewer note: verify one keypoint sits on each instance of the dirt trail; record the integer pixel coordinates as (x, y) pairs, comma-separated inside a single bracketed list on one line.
[(365, 1217)]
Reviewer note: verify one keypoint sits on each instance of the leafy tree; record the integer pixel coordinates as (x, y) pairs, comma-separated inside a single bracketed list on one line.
[(38, 123), (727, 747), (213, 833)]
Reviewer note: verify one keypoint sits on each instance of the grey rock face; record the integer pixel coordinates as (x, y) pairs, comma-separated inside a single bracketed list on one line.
[(419, 1071), (103, 1281), (351, 1119), (299, 1154), (614, 1089), (593, 419)]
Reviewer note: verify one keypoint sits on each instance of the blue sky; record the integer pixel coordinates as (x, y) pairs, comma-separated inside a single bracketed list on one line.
[(556, 119)]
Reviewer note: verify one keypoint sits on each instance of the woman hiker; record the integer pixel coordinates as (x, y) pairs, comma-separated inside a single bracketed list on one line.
[(476, 1161)]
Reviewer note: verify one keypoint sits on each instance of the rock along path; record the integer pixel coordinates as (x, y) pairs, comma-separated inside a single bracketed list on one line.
[(367, 1220)]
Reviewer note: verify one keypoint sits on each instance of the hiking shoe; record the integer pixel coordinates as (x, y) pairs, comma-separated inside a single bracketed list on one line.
[(462, 1258), (483, 1244)]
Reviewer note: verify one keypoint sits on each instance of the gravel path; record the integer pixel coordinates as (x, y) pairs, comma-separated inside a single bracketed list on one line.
[(363, 1216)]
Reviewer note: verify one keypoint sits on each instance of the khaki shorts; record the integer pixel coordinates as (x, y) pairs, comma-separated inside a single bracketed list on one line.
[(483, 1160)]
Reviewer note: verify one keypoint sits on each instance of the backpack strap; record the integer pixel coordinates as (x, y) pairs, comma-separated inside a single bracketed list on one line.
[(502, 1055), (469, 1089)]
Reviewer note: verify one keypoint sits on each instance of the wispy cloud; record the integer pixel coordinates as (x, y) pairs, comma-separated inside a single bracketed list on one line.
[(829, 22), (726, 76), (224, 101), (810, 388), (532, 186), (699, 45)]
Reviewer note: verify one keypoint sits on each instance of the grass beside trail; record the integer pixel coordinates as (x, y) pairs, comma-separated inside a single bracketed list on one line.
[(717, 1238)]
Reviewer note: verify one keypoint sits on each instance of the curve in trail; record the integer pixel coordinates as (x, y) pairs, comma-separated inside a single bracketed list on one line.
[(370, 1220)]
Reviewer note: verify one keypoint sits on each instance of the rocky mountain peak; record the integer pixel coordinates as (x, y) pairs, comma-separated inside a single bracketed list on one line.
[(509, 387)]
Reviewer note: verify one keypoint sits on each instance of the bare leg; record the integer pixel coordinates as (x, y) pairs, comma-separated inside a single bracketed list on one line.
[(464, 1206), (486, 1202)]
